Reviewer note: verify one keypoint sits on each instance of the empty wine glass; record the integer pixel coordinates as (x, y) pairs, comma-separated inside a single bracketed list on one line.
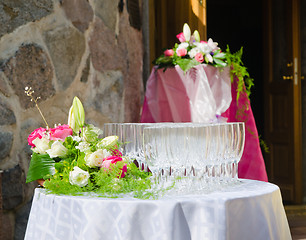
[(239, 140), (153, 151)]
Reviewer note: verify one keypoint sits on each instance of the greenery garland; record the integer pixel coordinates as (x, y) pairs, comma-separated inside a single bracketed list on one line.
[(136, 183), (245, 82)]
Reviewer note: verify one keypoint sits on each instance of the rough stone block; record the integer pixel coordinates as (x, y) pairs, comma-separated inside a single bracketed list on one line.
[(107, 12), (66, 46), (21, 220), (79, 12), (109, 54), (7, 226), (14, 13), (133, 86), (6, 142), (7, 116), (30, 67), (105, 53), (108, 95), (12, 188), (4, 89)]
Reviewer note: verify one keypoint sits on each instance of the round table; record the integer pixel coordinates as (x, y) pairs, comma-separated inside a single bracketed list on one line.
[(248, 210)]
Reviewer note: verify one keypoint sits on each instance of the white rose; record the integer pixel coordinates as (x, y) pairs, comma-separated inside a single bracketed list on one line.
[(41, 145), (193, 52), (78, 177), (83, 146), (95, 159), (57, 149), (203, 46), (76, 138)]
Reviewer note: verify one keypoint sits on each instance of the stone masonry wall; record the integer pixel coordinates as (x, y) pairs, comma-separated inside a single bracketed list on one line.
[(61, 48)]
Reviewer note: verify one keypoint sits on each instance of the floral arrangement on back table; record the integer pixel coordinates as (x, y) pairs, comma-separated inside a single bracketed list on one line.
[(192, 51), (72, 159)]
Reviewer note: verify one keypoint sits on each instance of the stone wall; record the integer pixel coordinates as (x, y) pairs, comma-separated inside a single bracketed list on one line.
[(61, 48)]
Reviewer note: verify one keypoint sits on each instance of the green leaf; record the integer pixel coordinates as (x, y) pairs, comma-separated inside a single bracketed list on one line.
[(185, 64), (220, 62), (41, 166), (220, 55)]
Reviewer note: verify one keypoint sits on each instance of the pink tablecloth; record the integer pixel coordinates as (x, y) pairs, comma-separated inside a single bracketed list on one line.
[(167, 100)]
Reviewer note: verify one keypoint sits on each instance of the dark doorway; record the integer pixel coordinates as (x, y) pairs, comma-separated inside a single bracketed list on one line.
[(238, 23), (269, 33)]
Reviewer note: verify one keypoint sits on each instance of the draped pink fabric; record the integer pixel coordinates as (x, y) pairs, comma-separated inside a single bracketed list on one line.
[(166, 100), (251, 165)]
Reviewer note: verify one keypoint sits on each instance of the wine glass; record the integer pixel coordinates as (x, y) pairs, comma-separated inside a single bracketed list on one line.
[(239, 140), (152, 151)]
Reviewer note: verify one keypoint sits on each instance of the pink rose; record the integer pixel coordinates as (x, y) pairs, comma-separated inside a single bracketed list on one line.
[(60, 132), (37, 133), (169, 52), (181, 37), (113, 160), (181, 52), (199, 57)]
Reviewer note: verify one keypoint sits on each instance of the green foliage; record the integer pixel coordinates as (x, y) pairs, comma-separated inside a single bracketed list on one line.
[(263, 144), (185, 63), (103, 183), (245, 82), (163, 62), (41, 166), (72, 151)]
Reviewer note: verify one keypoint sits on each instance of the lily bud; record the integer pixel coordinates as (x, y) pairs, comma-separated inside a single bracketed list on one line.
[(187, 32), (196, 36), (76, 118)]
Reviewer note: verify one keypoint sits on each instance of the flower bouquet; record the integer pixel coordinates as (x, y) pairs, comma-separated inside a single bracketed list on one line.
[(73, 159), (192, 51)]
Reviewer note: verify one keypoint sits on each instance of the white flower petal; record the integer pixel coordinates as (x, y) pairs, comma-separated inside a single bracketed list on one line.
[(78, 177), (187, 32), (57, 149), (41, 145)]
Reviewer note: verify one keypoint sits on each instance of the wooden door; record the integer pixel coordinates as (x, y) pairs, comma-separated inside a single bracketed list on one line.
[(283, 129), (167, 18)]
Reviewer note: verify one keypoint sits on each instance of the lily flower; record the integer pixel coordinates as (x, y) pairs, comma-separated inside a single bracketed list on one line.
[(213, 45), (196, 36), (187, 32), (76, 118)]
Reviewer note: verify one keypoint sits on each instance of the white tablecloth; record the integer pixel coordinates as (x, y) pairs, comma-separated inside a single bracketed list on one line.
[(250, 210)]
